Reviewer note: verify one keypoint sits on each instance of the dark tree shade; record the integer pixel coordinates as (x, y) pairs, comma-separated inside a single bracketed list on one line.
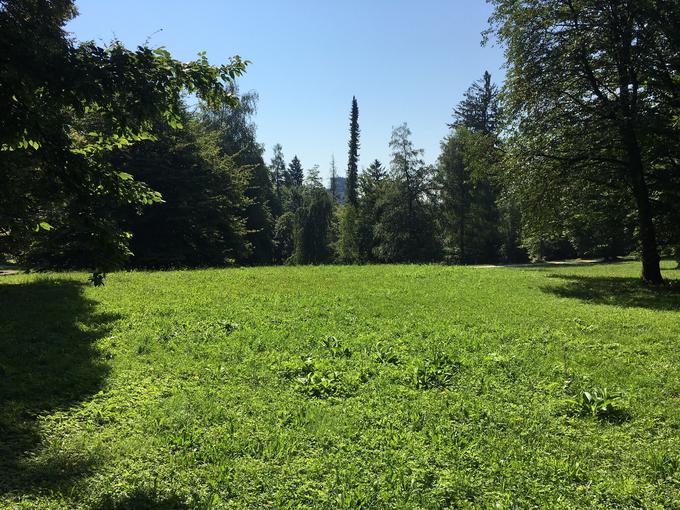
[(236, 133), (313, 225), (470, 216)]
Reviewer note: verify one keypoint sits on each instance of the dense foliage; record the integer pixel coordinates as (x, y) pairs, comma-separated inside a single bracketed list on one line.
[(592, 96), (104, 166), (66, 108)]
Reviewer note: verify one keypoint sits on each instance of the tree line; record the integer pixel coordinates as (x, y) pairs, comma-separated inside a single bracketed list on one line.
[(104, 166)]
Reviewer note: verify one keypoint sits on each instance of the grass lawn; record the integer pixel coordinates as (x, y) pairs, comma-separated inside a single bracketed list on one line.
[(341, 387)]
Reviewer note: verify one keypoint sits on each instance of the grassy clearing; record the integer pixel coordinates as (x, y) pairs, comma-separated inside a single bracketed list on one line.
[(341, 387)]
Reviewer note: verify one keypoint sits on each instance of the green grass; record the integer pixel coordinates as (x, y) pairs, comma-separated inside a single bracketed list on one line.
[(341, 387)]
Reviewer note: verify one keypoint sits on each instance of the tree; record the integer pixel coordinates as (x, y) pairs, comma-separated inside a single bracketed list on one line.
[(278, 168), (48, 86), (375, 172), (348, 241), (352, 164), (591, 89), (285, 236), (453, 179), (201, 220), (313, 226), (405, 230), (479, 109), (295, 174), (347, 246), (237, 135), (313, 179), (408, 167), (334, 181), (371, 186), (470, 215)]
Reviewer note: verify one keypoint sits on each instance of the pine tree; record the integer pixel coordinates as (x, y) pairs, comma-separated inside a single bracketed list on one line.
[(352, 165), (278, 168), (478, 111), (334, 179), (295, 175), (376, 171), (470, 217), (372, 186)]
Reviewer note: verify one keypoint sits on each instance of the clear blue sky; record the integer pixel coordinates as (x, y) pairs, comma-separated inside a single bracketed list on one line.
[(406, 61)]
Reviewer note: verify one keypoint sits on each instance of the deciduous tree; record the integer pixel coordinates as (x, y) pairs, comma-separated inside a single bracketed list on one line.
[(591, 88)]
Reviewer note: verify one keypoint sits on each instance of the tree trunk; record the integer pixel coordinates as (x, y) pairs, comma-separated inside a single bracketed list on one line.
[(629, 119), (651, 268), (461, 233)]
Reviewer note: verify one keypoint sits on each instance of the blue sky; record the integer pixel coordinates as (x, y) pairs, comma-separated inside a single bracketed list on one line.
[(405, 61)]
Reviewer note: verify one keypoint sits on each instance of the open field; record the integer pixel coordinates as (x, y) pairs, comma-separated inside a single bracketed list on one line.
[(341, 387)]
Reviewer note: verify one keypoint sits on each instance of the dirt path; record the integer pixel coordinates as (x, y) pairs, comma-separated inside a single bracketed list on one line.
[(571, 262)]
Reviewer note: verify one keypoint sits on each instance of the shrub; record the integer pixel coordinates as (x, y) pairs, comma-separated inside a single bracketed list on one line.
[(601, 404), (435, 372)]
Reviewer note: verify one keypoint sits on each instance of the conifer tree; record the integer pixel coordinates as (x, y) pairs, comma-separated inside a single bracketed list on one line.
[(478, 111), (470, 218), (352, 164), (295, 175), (372, 187), (404, 232), (334, 181), (278, 168), (376, 172)]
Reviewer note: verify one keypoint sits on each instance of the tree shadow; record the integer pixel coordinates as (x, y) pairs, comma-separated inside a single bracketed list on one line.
[(141, 500), (555, 264), (617, 291), (48, 361)]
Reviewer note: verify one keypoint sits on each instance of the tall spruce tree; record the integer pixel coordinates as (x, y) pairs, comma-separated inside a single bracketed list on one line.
[(470, 217), (278, 168), (478, 111), (295, 175), (352, 164), (371, 186), (334, 181)]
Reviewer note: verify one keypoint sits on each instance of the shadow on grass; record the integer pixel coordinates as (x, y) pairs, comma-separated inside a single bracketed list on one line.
[(47, 362), (143, 501), (616, 291)]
